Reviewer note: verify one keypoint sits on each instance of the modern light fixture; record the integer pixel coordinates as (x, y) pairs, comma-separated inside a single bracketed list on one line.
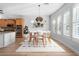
[(39, 22), (39, 19)]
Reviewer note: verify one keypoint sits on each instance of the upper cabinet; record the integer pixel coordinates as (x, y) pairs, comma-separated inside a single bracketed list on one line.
[(19, 27), (19, 21), (5, 22), (10, 21), (2, 22)]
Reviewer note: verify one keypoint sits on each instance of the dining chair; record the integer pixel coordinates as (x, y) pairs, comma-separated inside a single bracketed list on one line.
[(30, 36), (49, 37), (42, 36), (35, 39), (44, 39)]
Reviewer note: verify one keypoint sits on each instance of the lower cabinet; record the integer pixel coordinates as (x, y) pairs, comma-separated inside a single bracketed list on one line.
[(7, 38), (1, 40), (12, 37)]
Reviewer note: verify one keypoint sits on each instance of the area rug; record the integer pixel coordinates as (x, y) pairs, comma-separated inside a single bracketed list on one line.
[(49, 47)]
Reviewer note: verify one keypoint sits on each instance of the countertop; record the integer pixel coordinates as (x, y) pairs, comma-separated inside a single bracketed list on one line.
[(6, 31)]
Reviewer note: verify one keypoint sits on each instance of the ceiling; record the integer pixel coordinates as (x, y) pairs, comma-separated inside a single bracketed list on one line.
[(29, 8)]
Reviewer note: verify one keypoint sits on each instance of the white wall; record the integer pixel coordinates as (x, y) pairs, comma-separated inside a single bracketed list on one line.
[(9, 16), (28, 20)]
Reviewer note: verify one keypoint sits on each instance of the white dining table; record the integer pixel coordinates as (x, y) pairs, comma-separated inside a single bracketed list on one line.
[(44, 31), (40, 32)]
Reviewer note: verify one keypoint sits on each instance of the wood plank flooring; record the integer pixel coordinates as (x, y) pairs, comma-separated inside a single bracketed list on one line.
[(11, 51)]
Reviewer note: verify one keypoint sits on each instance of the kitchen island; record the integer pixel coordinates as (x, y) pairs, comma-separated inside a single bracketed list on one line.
[(6, 38)]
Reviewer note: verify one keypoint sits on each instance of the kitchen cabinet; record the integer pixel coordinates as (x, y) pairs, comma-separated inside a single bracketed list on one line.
[(12, 37), (10, 22), (19, 21), (6, 38), (2, 23), (16, 24), (19, 27), (1, 39), (5, 22)]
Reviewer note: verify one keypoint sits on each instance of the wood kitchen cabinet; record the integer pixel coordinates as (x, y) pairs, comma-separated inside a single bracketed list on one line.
[(16, 24), (19, 21), (19, 27), (2, 23), (5, 22), (10, 21)]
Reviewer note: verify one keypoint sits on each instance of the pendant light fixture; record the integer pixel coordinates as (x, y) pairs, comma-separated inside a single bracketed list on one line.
[(39, 10), (39, 19)]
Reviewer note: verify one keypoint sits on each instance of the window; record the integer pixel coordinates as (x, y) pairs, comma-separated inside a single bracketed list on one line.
[(59, 25), (54, 25), (75, 23), (66, 23)]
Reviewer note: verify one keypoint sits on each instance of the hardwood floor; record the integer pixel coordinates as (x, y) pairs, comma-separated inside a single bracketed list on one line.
[(11, 51)]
